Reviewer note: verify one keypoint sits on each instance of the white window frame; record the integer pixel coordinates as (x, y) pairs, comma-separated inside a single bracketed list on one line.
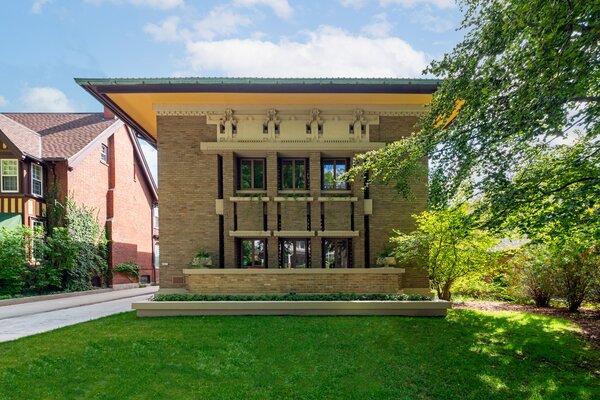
[(34, 224), (2, 175), (104, 152), (41, 180)]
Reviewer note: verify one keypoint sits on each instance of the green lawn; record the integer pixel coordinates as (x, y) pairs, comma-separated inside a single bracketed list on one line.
[(468, 355)]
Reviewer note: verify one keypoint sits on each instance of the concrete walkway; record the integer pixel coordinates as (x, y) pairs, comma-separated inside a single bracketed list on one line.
[(20, 320)]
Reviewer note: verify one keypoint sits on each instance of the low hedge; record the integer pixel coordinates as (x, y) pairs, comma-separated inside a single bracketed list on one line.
[(289, 297)]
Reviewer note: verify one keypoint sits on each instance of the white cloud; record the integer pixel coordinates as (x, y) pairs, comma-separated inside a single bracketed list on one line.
[(380, 27), (166, 31), (220, 21), (46, 99), (356, 4), (37, 6), (443, 4), (3, 101), (280, 7), (327, 52), (159, 4), (430, 22)]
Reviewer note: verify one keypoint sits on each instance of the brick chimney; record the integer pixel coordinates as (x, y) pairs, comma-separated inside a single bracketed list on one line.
[(108, 113)]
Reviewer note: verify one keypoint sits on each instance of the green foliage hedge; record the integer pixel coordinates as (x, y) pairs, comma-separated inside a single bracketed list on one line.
[(66, 258), (289, 297), (128, 268)]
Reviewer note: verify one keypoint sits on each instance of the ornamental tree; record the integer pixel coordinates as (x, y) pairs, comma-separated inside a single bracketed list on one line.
[(447, 246)]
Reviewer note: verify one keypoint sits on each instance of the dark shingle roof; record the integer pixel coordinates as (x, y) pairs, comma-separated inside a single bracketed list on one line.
[(63, 134)]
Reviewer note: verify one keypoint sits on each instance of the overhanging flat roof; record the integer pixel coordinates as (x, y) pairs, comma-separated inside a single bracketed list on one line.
[(133, 99)]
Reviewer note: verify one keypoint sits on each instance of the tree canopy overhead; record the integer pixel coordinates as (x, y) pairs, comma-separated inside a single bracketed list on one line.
[(527, 76)]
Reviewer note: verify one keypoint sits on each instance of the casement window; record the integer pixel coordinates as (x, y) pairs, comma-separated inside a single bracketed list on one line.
[(253, 253), (104, 153), (293, 174), (332, 170), (294, 253), (37, 180), (251, 174), (9, 176), (336, 253), (37, 240)]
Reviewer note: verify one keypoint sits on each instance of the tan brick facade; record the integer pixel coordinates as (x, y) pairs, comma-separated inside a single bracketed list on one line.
[(189, 187)]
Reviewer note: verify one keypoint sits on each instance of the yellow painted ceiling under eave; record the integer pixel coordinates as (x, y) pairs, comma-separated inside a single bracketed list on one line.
[(139, 106)]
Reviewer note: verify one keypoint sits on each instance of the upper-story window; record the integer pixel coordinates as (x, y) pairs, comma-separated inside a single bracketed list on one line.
[(9, 173), (104, 153), (294, 174), (332, 171), (37, 180), (251, 174)]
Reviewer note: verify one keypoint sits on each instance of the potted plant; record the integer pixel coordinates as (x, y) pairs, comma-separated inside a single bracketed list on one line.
[(386, 258), (202, 259)]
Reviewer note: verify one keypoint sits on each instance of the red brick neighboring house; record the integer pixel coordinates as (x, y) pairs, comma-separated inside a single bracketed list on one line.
[(94, 158)]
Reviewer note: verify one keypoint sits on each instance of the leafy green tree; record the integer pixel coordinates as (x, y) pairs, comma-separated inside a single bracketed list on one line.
[(14, 259), (525, 76), (447, 246)]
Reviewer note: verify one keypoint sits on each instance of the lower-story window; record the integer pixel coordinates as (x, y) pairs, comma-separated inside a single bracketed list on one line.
[(336, 253), (253, 253), (294, 253)]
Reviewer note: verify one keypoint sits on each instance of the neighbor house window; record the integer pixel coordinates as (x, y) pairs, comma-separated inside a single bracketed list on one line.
[(9, 172), (37, 180), (252, 253), (332, 171), (294, 253), (104, 153), (336, 253), (294, 174), (37, 240), (252, 174)]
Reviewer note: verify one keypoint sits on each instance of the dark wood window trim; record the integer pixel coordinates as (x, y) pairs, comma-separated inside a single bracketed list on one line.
[(337, 245), (241, 251), (253, 183), (336, 162), (294, 241), (294, 161)]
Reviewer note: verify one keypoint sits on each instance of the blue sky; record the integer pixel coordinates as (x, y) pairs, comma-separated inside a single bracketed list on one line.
[(46, 43)]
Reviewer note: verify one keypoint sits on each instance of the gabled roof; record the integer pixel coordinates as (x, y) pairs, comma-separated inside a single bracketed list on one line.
[(21, 139), (63, 135)]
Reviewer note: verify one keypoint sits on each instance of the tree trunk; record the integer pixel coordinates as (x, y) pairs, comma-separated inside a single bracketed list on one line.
[(445, 295)]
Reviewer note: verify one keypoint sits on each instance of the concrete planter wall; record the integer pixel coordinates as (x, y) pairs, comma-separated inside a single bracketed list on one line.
[(178, 308)]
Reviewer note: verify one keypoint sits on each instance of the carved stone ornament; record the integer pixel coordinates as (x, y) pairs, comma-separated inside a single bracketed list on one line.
[(314, 127), (360, 122), (271, 125), (228, 124)]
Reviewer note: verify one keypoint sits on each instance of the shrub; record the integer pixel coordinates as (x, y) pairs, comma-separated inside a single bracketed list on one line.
[(14, 259), (577, 258), (289, 297), (129, 269), (533, 274)]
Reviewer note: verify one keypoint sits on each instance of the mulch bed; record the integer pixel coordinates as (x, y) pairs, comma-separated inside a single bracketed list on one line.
[(587, 319)]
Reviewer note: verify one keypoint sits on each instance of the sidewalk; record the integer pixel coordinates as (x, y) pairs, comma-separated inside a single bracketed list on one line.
[(20, 320)]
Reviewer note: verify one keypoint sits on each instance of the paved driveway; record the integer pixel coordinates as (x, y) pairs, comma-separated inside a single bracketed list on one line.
[(27, 319)]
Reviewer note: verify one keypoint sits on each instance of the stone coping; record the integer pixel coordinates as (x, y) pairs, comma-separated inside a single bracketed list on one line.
[(353, 307), (291, 271)]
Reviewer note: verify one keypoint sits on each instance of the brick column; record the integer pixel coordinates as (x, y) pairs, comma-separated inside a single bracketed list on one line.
[(272, 242), (229, 173), (315, 208), (358, 243)]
